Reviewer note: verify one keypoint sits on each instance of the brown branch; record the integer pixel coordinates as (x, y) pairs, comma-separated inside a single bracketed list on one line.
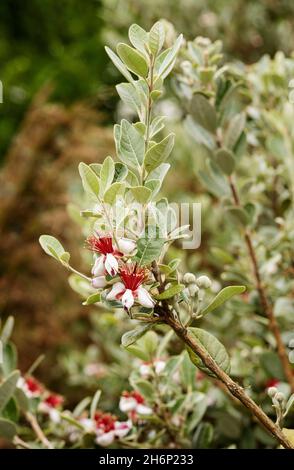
[(235, 389), (268, 310)]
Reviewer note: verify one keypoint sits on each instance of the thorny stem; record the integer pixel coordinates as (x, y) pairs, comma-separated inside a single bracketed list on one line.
[(267, 307), (38, 431), (235, 389)]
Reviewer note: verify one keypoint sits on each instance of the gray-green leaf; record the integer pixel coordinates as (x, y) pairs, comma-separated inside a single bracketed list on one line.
[(225, 294), (134, 60), (213, 347), (158, 153)]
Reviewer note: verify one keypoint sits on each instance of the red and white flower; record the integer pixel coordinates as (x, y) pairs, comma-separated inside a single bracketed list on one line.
[(130, 289), (133, 403), (107, 259), (51, 405), (107, 428), (30, 386)]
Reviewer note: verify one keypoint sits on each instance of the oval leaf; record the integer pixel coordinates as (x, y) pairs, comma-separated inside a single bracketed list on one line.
[(213, 347), (134, 60), (170, 292), (224, 295)]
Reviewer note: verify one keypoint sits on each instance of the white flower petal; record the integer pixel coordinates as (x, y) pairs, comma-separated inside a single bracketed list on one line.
[(144, 298), (126, 245), (111, 264), (127, 404), (145, 370), (106, 438), (128, 299), (88, 424), (98, 282), (122, 428), (117, 288), (144, 410), (159, 366), (54, 415), (98, 268)]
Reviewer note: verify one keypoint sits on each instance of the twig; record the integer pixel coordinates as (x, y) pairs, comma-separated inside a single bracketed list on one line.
[(235, 389), (273, 324), (38, 431), (17, 441)]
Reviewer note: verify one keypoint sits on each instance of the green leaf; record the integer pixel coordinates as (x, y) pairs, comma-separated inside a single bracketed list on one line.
[(120, 172), (132, 145), (90, 179), (7, 429), (141, 194), (159, 172), (132, 336), (81, 407), (138, 37), (158, 153), (238, 215), (96, 167), (51, 246), (225, 294), (134, 60), (11, 411), (115, 190), (203, 113), (129, 95), (148, 249), (154, 186), (22, 399), (199, 134), (94, 404), (145, 388), (203, 436), (225, 160), (169, 58), (119, 64), (156, 37), (93, 299), (7, 330), (7, 388), (106, 174), (170, 292), (213, 347), (9, 358), (234, 130)]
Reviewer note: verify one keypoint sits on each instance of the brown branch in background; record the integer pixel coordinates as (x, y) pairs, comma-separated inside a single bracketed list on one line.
[(267, 308)]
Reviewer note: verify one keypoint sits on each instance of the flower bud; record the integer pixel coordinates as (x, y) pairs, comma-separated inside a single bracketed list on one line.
[(193, 289), (272, 391), (203, 281), (280, 397), (189, 278)]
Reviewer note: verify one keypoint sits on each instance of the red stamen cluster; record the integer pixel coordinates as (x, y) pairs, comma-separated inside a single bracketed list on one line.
[(33, 385), (102, 245), (105, 421), (54, 400), (136, 395), (272, 383), (133, 276)]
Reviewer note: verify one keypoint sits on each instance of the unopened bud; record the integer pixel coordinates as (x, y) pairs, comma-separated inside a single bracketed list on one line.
[(272, 391), (189, 278), (193, 289), (204, 281), (280, 397)]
